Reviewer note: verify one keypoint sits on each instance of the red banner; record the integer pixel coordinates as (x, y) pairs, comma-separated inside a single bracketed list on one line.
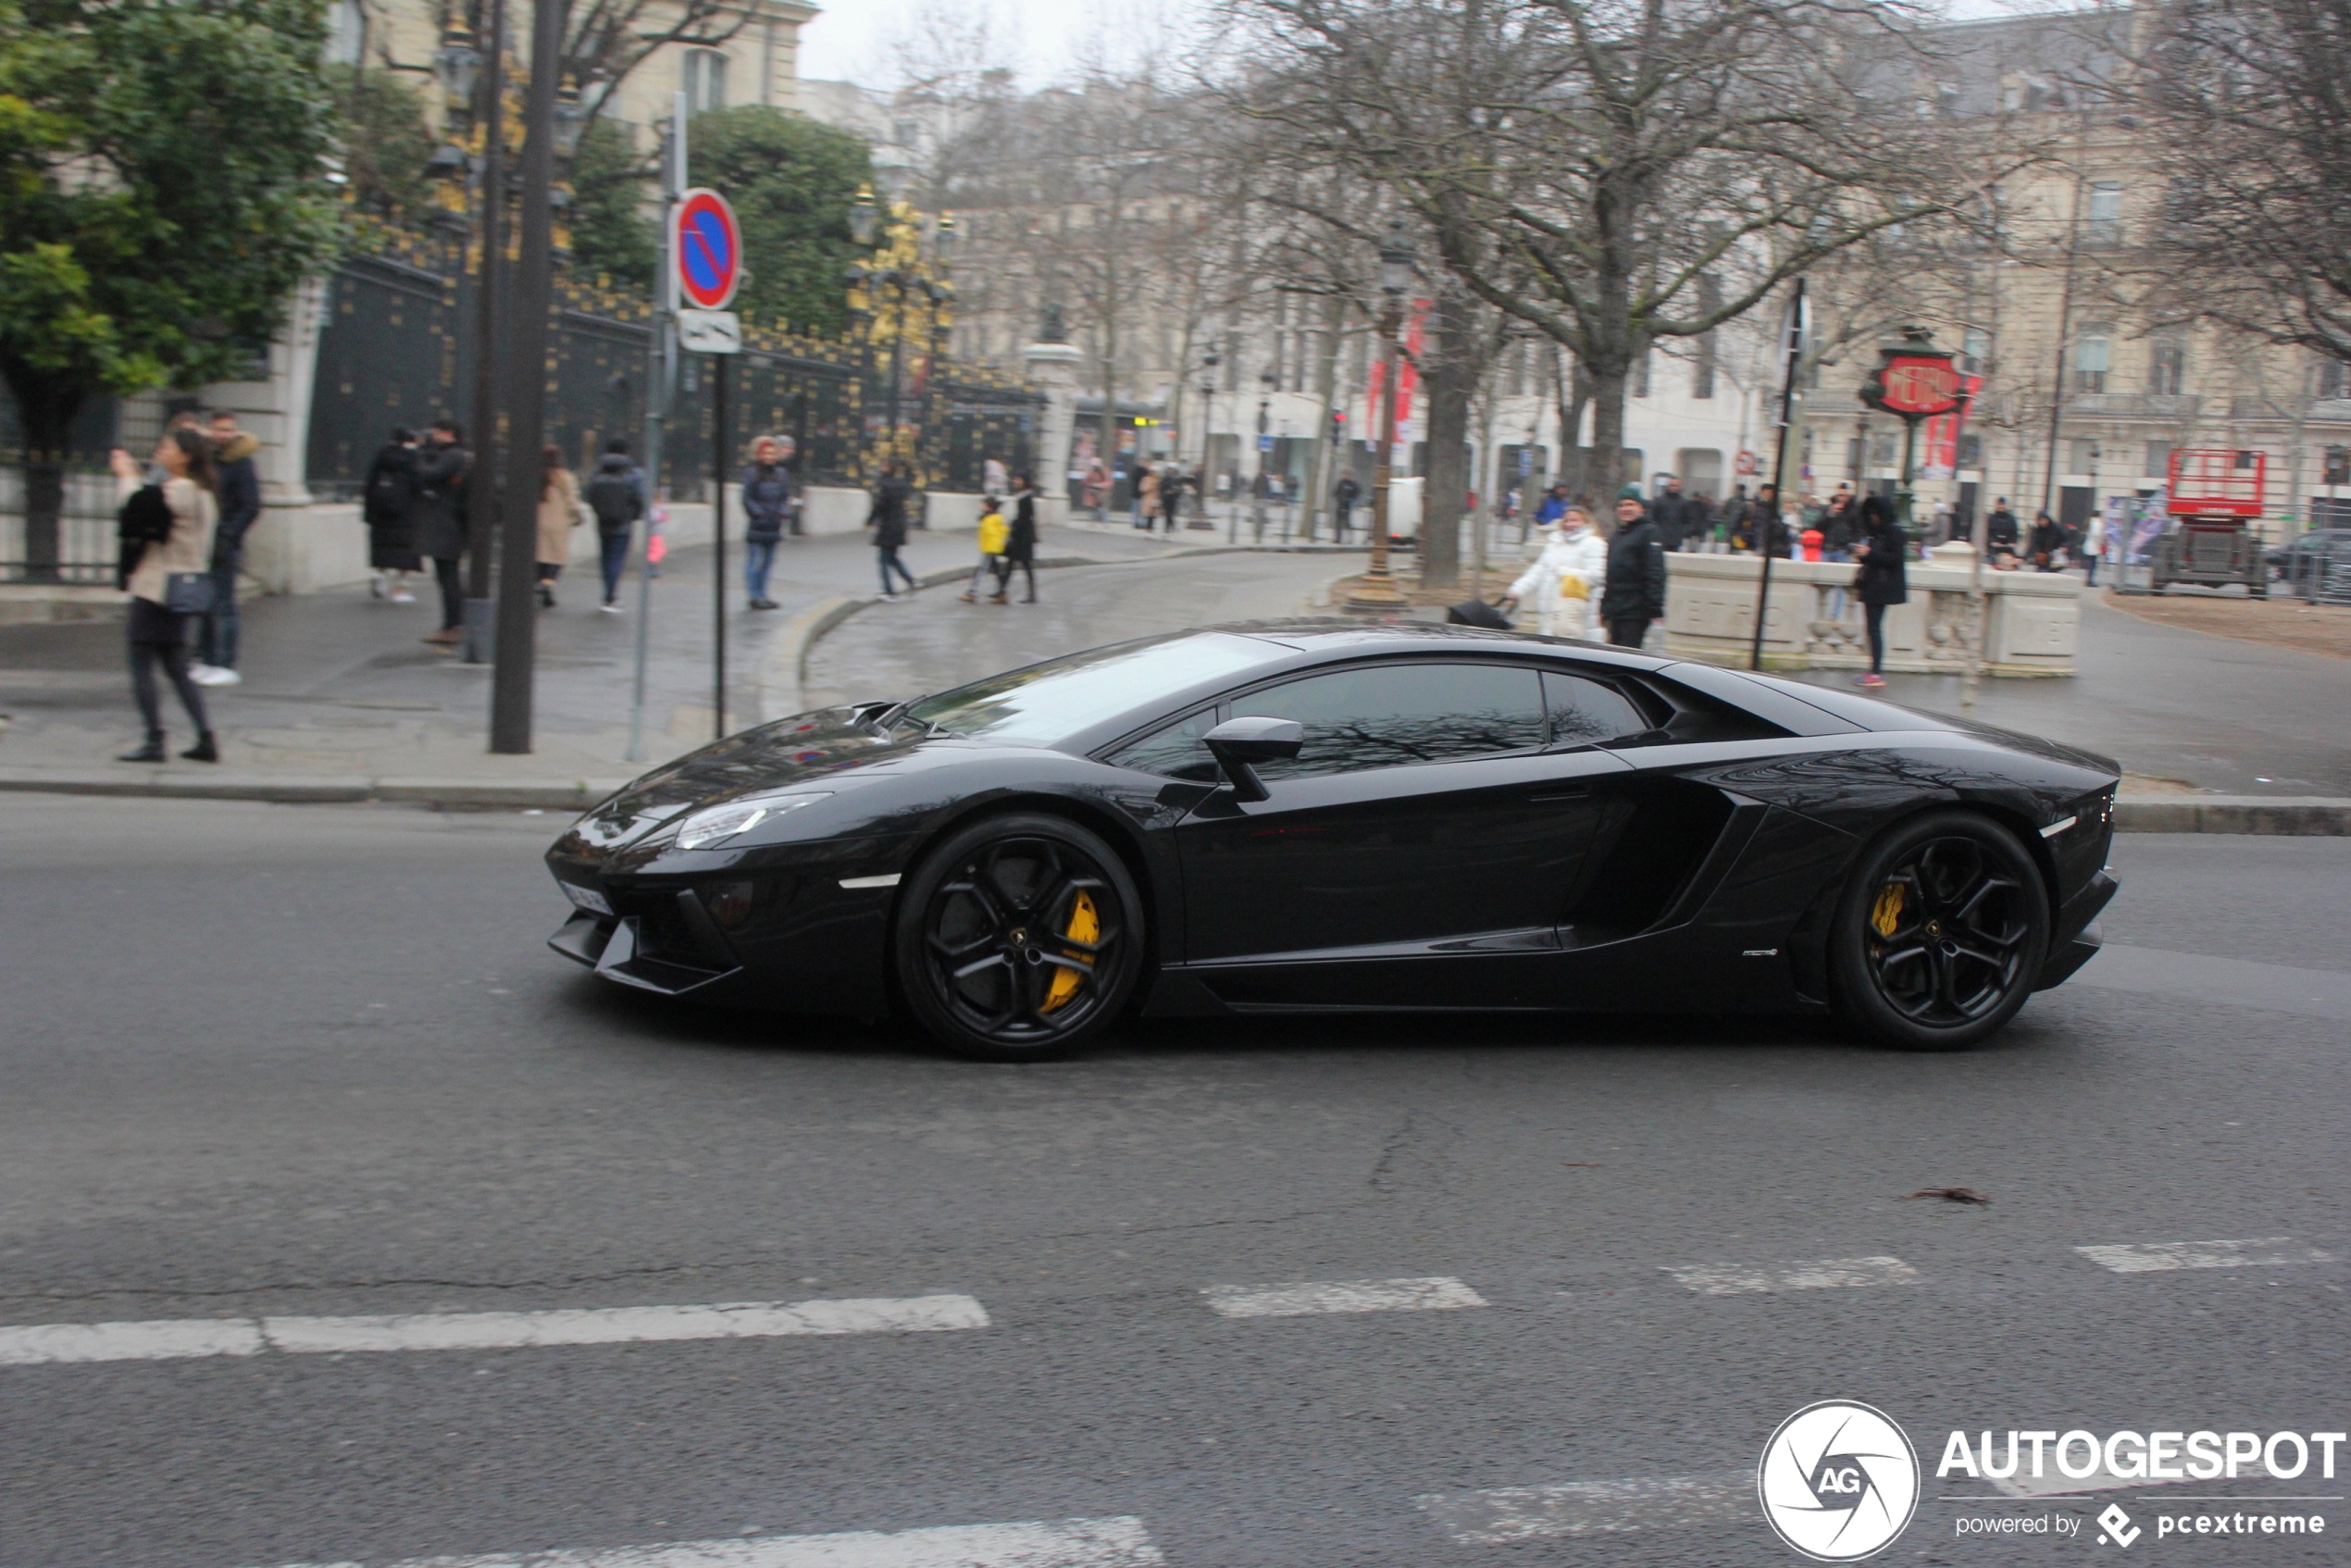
[(1940, 458), (1408, 378)]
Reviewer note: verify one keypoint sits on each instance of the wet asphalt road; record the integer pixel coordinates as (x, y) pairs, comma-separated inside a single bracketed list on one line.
[(314, 1061)]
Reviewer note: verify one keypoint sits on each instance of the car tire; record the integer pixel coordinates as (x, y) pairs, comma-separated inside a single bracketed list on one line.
[(1019, 938), (1940, 932)]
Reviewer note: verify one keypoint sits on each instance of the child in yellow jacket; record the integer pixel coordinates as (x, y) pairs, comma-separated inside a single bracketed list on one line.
[(994, 534)]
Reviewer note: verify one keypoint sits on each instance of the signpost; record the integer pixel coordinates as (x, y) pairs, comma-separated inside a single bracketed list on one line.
[(709, 251)]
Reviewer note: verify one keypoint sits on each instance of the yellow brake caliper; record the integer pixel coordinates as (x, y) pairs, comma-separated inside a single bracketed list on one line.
[(1085, 925), (1887, 913)]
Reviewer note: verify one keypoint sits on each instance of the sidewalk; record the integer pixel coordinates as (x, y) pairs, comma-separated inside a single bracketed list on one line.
[(341, 700)]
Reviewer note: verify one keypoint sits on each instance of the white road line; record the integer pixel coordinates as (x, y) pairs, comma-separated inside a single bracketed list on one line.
[(1044, 1543), (49, 1343), (2153, 1257), (1738, 1279), (1591, 1507), (1440, 1293), (44, 1343)]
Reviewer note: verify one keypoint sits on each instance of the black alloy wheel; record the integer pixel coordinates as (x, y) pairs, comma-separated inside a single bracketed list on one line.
[(1019, 938), (1941, 933)]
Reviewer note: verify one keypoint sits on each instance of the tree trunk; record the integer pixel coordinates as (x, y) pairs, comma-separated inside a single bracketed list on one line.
[(1607, 456), (45, 410), (1575, 468), (1451, 376)]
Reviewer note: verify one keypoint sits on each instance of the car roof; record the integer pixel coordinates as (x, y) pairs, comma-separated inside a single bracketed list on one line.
[(1330, 635)]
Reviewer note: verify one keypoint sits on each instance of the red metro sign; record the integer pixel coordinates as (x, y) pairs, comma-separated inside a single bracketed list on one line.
[(1916, 380)]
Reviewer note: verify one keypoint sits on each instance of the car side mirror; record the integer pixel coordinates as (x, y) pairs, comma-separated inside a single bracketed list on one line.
[(1238, 742)]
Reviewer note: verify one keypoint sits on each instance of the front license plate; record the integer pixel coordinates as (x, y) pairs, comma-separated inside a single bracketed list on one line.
[(588, 899)]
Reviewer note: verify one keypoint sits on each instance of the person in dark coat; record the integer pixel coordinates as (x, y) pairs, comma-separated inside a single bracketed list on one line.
[(2000, 537), (1344, 495), (1634, 597), (240, 493), (887, 519), (1171, 496), (386, 501), (1020, 545), (2049, 542), (1881, 582), (1840, 525), (438, 521), (766, 495)]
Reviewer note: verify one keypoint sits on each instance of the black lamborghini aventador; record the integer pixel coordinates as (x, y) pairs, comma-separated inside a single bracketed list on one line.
[(1321, 816)]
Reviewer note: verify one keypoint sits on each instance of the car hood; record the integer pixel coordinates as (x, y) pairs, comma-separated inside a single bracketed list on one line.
[(797, 750)]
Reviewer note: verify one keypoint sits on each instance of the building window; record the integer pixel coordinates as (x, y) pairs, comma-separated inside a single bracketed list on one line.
[(346, 33), (1975, 351), (1703, 372), (705, 81), (2105, 224), (2333, 382), (1641, 372), (2167, 366), (2338, 464), (2092, 357), (2082, 456), (1970, 450), (2158, 460)]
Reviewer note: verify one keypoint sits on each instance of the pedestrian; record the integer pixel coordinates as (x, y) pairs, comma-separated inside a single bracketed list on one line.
[(1666, 511), (1553, 507), (1344, 495), (767, 503), (1880, 579), (443, 468), (1171, 499), (1634, 599), (1566, 581), (559, 511), (616, 497), (2000, 534), (239, 492), (1020, 545), (886, 518), (387, 499), (2093, 546), (993, 477), (1147, 484), (1839, 527), (2047, 543), (169, 581), (994, 535)]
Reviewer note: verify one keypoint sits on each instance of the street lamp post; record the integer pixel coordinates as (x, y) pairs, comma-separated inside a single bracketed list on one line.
[(1377, 592), (461, 66), (1256, 488), (1208, 362)]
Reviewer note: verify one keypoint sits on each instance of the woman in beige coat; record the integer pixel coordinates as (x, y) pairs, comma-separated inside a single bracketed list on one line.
[(559, 512), (159, 634)]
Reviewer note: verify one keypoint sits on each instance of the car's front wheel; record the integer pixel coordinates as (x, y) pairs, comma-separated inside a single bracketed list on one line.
[(1940, 933), (1019, 938)]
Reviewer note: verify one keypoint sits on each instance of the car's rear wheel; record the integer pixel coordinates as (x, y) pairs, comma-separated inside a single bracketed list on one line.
[(1019, 938), (1940, 933)]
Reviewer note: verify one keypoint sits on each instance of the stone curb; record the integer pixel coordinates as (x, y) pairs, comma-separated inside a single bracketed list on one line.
[(2263, 815)]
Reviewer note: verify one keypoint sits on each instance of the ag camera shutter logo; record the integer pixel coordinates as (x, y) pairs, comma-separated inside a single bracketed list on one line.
[(1838, 1481)]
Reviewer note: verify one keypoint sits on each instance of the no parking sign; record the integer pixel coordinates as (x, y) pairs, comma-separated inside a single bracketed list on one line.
[(708, 248)]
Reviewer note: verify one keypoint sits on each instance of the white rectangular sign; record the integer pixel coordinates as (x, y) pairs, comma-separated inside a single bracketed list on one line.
[(710, 331)]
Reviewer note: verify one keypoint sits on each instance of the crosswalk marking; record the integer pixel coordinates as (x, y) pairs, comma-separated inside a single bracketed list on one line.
[(2156, 1257), (1588, 1508), (1120, 1542), (1439, 1293), (1738, 1279), (42, 1344)]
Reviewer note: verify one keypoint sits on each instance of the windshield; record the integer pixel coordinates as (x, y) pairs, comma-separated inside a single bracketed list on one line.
[(1048, 702)]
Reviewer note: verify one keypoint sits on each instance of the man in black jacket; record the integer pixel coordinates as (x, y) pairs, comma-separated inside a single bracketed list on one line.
[(2000, 533), (1670, 513), (438, 519), (1634, 597), (233, 449)]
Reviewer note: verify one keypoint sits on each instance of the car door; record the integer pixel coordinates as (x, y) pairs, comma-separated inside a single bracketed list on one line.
[(1427, 825)]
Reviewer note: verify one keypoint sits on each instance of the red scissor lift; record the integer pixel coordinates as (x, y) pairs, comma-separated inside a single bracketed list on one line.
[(2214, 497)]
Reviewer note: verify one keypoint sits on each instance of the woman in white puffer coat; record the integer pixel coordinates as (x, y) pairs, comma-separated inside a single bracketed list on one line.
[(1562, 587)]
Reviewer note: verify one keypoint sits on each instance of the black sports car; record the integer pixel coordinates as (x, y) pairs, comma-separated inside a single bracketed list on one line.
[(1321, 816)]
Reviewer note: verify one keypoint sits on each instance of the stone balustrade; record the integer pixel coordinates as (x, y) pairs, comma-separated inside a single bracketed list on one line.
[(2032, 620)]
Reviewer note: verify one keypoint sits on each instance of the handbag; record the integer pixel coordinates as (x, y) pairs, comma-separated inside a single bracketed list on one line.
[(188, 593)]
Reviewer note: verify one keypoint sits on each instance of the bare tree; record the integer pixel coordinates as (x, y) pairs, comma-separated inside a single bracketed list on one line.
[(2253, 110), (1616, 172)]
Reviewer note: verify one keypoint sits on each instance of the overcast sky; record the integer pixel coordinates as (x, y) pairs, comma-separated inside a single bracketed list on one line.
[(859, 40)]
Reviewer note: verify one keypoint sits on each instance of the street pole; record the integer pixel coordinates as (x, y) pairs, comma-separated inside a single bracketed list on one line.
[(719, 447), (510, 689), (662, 374), (1377, 594), (1770, 530), (481, 485)]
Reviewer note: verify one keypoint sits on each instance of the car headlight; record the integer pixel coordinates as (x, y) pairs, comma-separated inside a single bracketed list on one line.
[(736, 816)]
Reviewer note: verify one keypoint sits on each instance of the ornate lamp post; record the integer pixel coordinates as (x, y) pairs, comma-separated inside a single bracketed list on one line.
[(1208, 362), (460, 66), (1377, 593)]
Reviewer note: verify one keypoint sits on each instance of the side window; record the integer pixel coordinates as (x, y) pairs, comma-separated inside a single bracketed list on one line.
[(1386, 715), (1173, 751), (1585, 713)]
